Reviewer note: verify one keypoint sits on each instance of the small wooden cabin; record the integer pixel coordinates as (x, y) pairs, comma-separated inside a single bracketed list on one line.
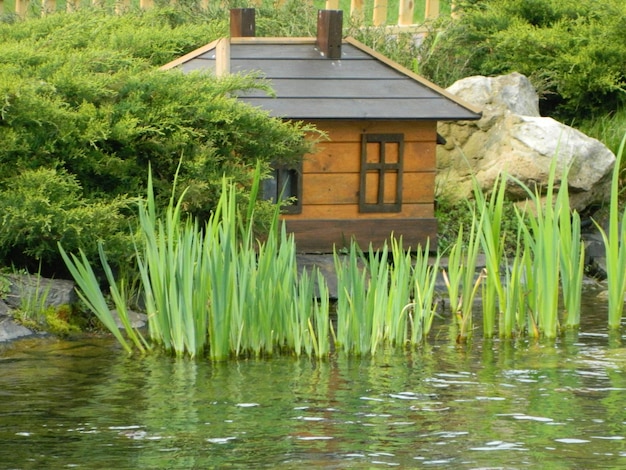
[(376, 174)]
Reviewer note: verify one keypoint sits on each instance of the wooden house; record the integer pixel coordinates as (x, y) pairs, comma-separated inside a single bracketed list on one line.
[(376, 174)]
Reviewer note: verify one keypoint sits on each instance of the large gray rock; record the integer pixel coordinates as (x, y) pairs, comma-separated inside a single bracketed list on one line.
[(24, 289), (10, 330), (513, 138)]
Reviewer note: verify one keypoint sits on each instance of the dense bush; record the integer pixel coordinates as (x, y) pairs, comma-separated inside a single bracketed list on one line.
[(81, 97), (574, 51)]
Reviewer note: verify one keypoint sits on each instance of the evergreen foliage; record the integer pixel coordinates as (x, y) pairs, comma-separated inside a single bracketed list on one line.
[(84, 109), (574, 51)]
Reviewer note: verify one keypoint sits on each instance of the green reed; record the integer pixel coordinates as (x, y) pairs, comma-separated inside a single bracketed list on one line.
[(555, 256), (385, 298), (492, 242), (461, 278), (615, 248), (423, 306), (217, 290)]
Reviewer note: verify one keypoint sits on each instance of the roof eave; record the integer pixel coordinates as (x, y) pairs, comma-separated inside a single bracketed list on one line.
[(414, 76)]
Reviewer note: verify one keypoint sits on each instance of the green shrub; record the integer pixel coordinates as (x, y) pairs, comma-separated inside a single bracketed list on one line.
[(81, 98), (41, 208), (572, 50)]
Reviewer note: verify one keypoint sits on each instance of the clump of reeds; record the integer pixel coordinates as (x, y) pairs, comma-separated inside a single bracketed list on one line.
[(215, 290), (385, 298), (615, 248), (523, 292)]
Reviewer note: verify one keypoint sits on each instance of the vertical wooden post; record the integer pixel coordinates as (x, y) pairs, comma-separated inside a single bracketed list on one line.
[(405, 12), (146, 4), (332, 4), (356, 10), (432, 9), (329, 33), (222, 57), (454, 12), (121, 6), (48, 6), (21, 7), (71, 5), (242, 22), (380, 13)]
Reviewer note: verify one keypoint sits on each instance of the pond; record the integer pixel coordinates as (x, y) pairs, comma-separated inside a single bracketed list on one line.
[(488, 404)]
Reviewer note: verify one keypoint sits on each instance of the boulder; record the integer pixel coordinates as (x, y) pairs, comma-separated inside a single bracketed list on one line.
[(32, 288), (511, 137), (10, 330)]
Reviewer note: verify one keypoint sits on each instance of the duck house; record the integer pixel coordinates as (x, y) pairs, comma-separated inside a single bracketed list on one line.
[(375, 176)]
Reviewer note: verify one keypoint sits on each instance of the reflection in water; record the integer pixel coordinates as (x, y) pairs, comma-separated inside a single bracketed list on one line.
[(502, 404)]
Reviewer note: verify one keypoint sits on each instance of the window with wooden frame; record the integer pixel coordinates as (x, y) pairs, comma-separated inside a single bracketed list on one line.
[(382, 158), (285, 185)]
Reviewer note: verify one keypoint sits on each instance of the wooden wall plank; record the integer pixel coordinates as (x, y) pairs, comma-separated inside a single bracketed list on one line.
[(320, 235), (351, 211), (343, 157), (318, 188), (350, 131)]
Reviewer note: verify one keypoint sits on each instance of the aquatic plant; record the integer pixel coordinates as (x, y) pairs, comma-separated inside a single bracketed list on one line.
[(492, 242), (555, 255), (385, 298), (217, 289), (423, 307), (461, 278), (615, 248)]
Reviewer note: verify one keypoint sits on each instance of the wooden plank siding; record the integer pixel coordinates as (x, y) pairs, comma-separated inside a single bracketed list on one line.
[(320, 236), (330, 214), (375, 175)]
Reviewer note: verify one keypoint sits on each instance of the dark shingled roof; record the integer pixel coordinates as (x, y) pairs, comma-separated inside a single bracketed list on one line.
[(361, 85)]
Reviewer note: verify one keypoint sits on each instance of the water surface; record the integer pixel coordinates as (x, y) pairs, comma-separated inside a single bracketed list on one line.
[(496, 404)]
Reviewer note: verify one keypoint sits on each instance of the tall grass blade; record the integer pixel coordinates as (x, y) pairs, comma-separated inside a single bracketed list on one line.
[(615, 248)]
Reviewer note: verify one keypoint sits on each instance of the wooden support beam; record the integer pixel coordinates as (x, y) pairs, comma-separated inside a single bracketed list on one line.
[(405, 12), (330, 33), (242, 22), (121, 6), (48, 6), (71, 5), (432, 9), (380, 13), (21, 7), (356, 10), (222, 57), (332, 4)]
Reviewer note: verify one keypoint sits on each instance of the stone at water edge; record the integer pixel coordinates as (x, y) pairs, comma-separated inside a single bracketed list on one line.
[(512, 138)]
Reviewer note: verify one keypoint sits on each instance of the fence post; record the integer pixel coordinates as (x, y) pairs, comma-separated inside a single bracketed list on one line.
[(405, 12), (121, 6), (146, 4), (380, 13), (431, 9), (21, 6), (356, 10), (48, 6), (332, 4)]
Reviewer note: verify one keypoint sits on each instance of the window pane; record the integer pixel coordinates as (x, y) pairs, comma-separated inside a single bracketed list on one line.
[(372, 180), (392, 152)]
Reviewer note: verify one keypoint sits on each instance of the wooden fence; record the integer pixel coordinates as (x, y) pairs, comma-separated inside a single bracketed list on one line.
[(379, 8)]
